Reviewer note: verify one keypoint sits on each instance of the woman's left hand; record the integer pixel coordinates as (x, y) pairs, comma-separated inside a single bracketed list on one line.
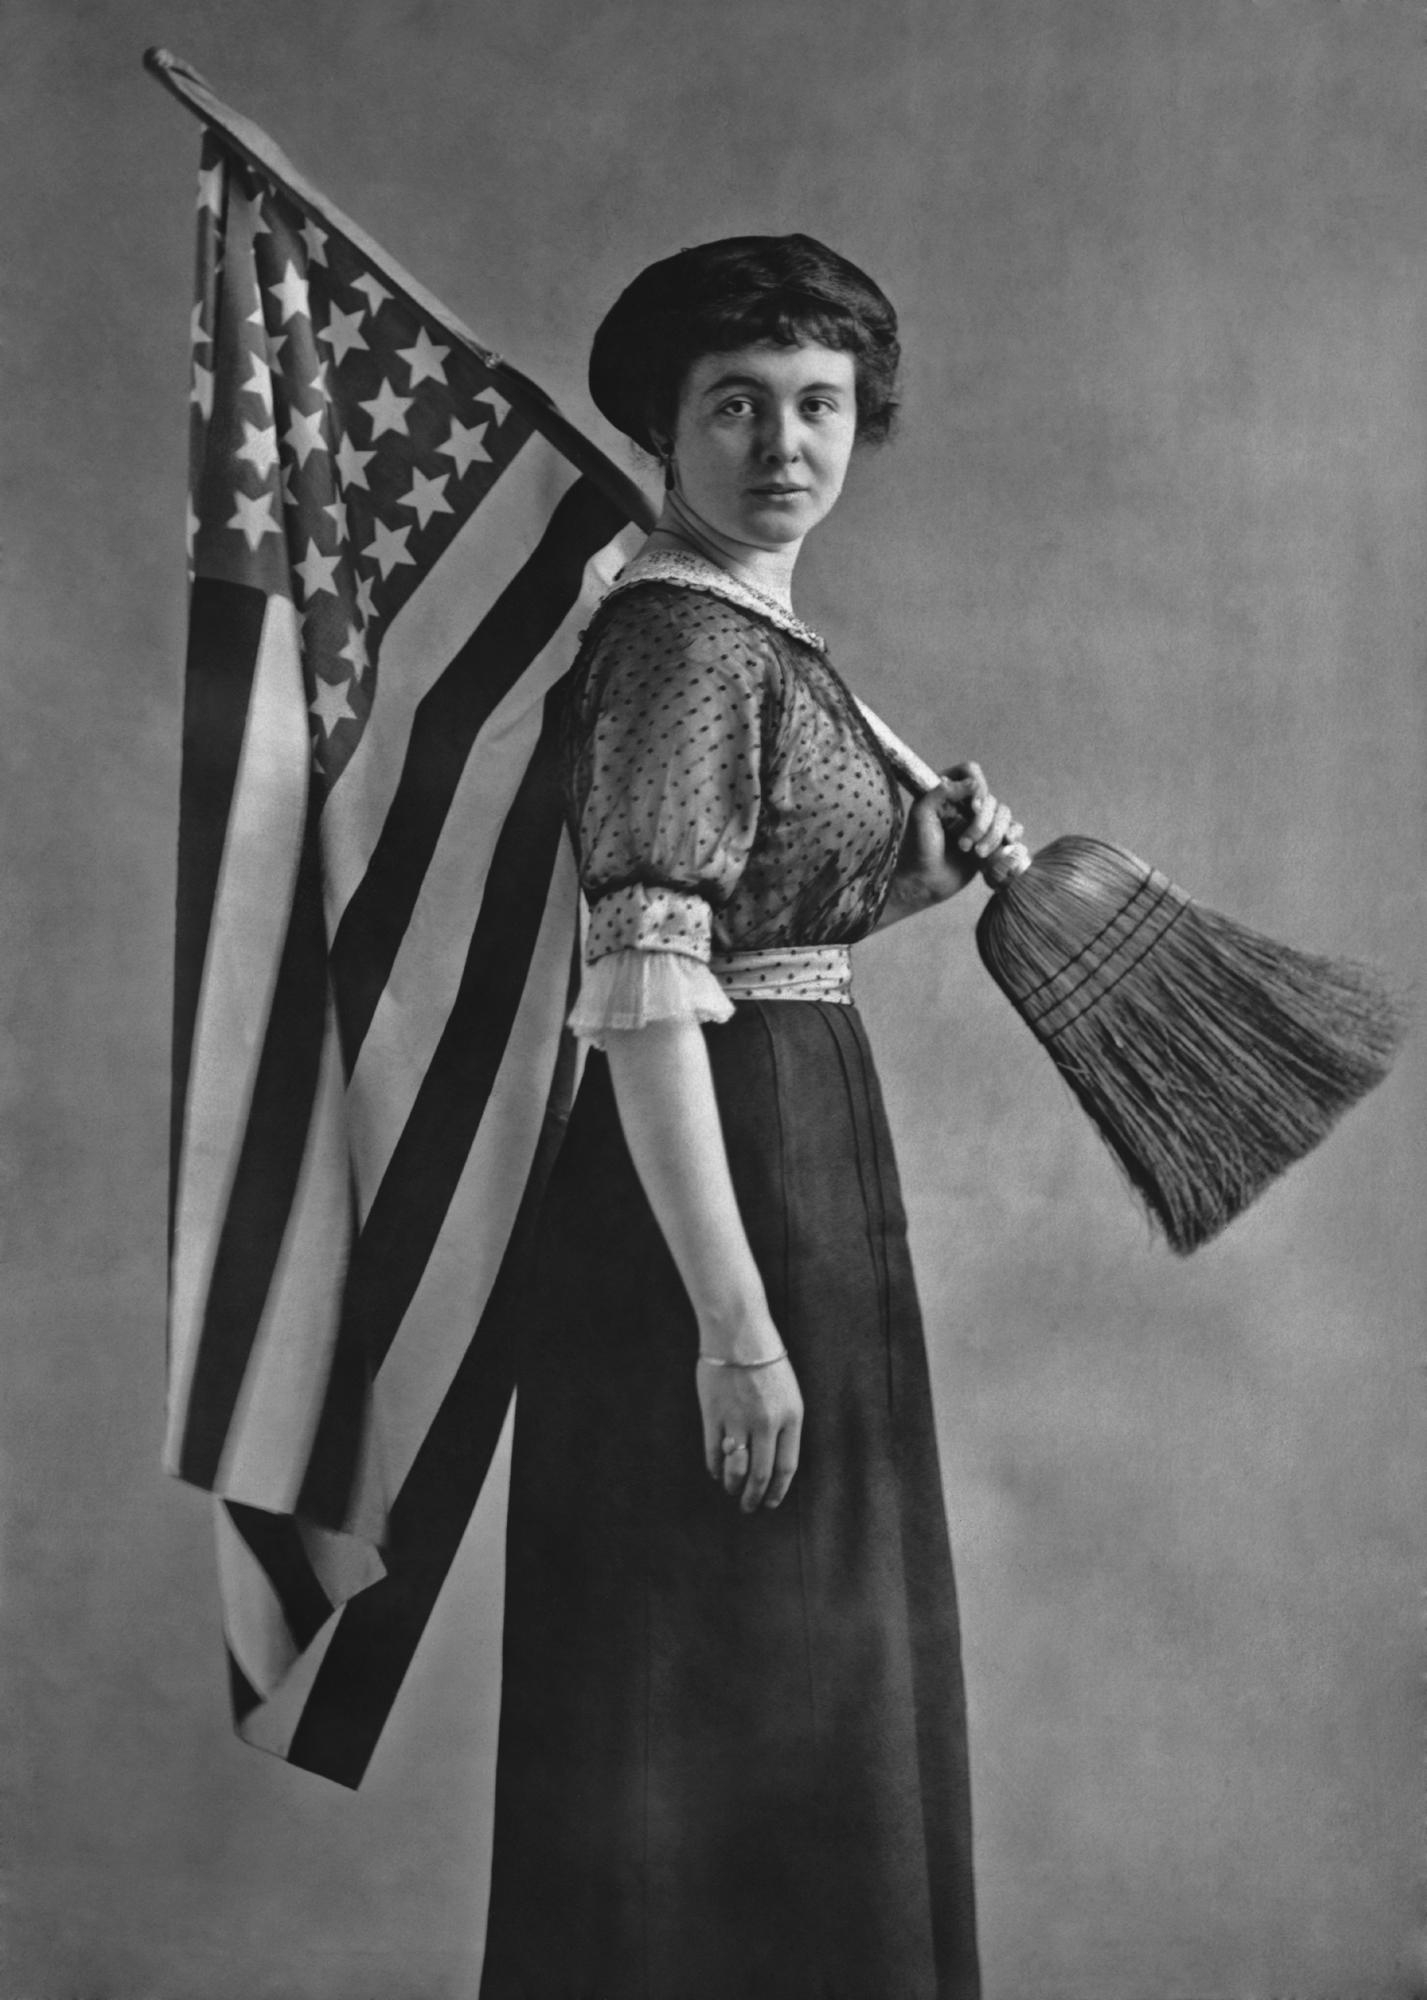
[(950, 832)]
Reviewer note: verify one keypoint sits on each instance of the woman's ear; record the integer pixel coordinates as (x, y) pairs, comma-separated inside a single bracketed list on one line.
[(663, 448)]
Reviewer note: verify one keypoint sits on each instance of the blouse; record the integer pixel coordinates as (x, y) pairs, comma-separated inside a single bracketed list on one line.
[(723, 790)]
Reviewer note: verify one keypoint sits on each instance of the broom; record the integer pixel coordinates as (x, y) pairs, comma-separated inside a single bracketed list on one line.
[(1208, 1057)]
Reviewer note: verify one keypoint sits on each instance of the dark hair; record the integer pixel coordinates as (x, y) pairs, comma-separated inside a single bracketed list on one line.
[(743, 291)]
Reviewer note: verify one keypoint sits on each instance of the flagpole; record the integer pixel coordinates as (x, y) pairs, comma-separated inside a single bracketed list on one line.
[(182, 81)]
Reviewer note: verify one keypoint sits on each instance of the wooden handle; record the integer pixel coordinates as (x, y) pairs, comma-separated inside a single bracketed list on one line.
[(914, 771), (919, 778)]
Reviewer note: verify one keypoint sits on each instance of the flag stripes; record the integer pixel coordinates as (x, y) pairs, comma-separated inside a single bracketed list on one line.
[(225, 625), (396, 542), (274, 1543), (264, 1183), (423, 638), (284, 1383), (400, 1229), (516, 629), (231, 950), (458, 1277), (378, 1632), (410, 1018), (243, 1697)]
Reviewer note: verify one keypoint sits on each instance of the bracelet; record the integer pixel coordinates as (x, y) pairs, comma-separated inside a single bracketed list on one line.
[(717, 1361)]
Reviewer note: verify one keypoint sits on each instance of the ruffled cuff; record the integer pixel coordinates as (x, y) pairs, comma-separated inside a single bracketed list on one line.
[(642, 917), (629, 989)]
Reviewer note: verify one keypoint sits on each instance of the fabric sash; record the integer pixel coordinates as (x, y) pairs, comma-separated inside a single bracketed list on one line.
[(793, 972)]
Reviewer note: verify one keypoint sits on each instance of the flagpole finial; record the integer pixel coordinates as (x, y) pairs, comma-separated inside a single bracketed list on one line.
[(163, 63)]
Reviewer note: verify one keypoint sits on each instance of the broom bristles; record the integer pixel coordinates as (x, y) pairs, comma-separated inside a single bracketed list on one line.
[(1208, 1056)]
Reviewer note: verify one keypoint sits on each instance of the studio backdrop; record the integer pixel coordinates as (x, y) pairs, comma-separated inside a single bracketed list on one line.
[(1148, 545)]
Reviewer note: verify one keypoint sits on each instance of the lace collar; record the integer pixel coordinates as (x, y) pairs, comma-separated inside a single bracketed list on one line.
[(697, 573)]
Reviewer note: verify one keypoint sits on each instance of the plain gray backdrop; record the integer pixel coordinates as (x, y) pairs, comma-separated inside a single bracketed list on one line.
[(1151, 547)]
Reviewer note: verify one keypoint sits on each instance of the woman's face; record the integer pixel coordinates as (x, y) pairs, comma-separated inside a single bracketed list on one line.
[(763, 438)]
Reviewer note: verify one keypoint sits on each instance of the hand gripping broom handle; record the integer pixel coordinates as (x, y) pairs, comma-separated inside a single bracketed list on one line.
[(919, 777)]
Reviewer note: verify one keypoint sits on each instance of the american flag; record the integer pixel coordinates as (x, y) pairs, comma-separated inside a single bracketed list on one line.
[(395, 541)]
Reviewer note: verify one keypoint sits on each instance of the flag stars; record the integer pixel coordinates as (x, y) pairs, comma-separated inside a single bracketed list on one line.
[(202, 390), (427, 496), (338, 510), (254, 518), (352, 463), (330, 704), (464, 445), (259, 447), (365, 586), (387, 548), (198, 334), (303, 435), (424, 359), (291, 293), (497, 403), (388, 411), (316, 571), (272, 344), (316, 241), (257, 191), (259, 382), (210, 188), (376, 294), (343, 332), (355, 650)]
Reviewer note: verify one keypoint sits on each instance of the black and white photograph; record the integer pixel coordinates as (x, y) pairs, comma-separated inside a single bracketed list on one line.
[(711, 1071)]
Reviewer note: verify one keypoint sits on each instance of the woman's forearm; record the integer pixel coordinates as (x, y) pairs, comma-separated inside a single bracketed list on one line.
[(663, 1086)]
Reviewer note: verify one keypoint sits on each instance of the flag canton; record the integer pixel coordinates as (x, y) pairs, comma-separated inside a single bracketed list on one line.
[(342, 436)]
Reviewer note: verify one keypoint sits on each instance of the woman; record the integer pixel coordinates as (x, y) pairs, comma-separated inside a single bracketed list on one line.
[(732, 1754)]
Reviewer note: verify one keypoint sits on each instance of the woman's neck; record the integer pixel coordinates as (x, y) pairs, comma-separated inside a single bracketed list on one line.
[(767, 570)]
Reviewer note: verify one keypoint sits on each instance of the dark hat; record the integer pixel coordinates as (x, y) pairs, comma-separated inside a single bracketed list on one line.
[(649, 324)]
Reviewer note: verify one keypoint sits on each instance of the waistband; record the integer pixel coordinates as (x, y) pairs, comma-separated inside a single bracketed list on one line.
[(793, 972)]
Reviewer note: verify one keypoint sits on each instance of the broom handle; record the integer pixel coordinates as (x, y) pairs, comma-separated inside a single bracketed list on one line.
[(919, 777)]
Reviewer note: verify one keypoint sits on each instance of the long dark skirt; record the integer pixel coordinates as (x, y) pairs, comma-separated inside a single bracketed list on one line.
[(732, 1748)]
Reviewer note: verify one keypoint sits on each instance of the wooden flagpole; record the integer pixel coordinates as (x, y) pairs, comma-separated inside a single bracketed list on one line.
[(182, 81)]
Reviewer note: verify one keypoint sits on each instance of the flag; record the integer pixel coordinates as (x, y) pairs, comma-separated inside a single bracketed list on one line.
[(395, 541)]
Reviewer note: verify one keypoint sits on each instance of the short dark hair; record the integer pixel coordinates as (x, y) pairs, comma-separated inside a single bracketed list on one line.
[(742, 291)]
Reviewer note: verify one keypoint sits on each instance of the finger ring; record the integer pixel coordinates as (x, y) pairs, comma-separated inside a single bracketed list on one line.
[(732, 1445)]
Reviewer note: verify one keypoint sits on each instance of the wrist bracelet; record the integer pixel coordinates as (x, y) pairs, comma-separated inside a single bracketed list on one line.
[(717, 1361)]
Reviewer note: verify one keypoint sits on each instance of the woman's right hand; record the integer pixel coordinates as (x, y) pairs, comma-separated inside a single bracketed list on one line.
[(753, 1425), (952, 835), (663, 1086)]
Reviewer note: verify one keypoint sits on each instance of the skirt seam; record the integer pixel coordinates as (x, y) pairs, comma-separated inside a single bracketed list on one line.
[(879, 1234), (786, 1281), (874, 1213), (648, 1727), (646, 1655)]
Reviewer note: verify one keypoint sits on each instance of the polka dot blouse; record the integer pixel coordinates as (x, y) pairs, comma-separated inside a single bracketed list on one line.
[(724, 792)]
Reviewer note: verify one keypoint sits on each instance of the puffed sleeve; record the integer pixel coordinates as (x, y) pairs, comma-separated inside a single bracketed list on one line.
[(665, 787)]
